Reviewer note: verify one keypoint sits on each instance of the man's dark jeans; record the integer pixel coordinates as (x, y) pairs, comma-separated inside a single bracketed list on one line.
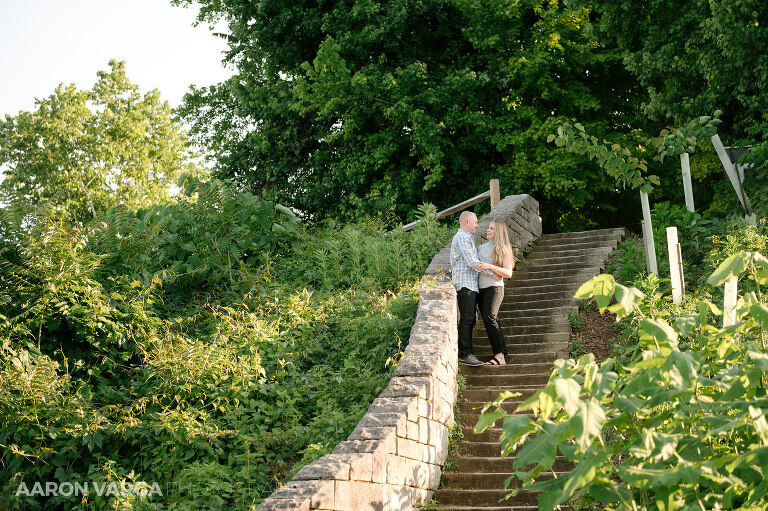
[(467, 302)]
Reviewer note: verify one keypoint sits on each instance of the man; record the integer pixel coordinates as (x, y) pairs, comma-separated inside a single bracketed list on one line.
[(464, 274)]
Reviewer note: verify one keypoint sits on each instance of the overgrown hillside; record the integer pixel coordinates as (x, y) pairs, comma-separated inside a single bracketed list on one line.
[(205, 348)]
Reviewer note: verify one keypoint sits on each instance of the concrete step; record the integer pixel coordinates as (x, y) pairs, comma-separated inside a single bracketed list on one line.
[(533, 318), (503, 376), (567, 256), (511, 327), (533, 304), (482, 349), (566, 268), (498, 465), (469, 407), (533, 288), (486, 394), (615, 232), (584, 272), (549, 245), (516, 338), (493, 497), (524, 295)]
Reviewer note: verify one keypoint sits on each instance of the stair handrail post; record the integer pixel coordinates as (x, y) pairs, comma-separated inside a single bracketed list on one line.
[(495, 192)]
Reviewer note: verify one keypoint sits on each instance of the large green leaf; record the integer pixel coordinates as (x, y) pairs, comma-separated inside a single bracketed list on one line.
[(542, 448), (588, 423), (487, 420), (731, 267), (568, 391)]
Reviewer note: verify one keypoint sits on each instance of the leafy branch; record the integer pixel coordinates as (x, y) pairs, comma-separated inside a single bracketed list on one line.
[(629, 168)]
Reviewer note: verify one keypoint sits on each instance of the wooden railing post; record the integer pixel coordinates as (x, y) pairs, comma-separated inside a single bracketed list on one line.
[(650, 246), (495, 193), (675, 265)]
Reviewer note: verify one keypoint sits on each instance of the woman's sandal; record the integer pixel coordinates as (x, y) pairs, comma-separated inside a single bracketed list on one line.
[(494, 362)]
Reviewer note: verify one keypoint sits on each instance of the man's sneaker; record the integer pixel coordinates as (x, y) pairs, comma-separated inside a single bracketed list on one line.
[(471, 360)]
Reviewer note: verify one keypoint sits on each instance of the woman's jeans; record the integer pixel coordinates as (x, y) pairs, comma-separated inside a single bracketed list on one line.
[(488, 301)]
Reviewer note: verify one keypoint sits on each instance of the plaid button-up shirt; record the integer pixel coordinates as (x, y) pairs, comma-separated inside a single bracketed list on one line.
[(464, 261)]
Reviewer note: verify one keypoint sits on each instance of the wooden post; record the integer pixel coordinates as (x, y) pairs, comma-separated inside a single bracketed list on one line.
[(729, 302), (650, 247), (733, 174), (685, 164), (687, 188), (675, 265), (495, 193)]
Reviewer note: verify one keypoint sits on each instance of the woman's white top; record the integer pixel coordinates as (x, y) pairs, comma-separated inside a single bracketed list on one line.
[(485, 254)]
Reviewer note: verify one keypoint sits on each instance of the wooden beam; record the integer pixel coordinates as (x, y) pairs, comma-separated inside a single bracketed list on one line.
[(453, 209)]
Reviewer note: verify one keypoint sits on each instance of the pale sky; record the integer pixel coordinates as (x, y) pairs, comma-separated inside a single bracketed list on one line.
[(46, 42)]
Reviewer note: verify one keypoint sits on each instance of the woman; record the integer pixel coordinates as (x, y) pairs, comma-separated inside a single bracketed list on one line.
[(496, 255)]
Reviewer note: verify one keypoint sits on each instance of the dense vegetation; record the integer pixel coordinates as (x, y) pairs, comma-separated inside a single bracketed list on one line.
[(212, 345), (198, 347), (676, 418)]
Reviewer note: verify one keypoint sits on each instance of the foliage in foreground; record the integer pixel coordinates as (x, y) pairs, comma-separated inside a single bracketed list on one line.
[(678, 422), (210, 345)]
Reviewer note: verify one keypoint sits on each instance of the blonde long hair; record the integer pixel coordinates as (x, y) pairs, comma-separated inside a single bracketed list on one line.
[(502, 247)]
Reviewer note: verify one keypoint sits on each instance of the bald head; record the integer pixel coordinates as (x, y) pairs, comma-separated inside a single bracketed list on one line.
[(468, 221)]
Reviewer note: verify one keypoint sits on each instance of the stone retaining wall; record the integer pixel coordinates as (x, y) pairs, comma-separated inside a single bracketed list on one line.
[(392, 460)]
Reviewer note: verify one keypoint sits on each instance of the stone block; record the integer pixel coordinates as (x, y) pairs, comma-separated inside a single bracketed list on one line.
[(436, 311), (440, 292), (412, 430), (425, 409), (361, 467), (430, 455), (330, 466), (416, 473), (396, 470), (380, 447), (359, 496), (428, 328), (297, 504), (408, 405), (379, 467), (362, 432), (382, 419), (402, 386), (417, 366), (431, 432), (320, 493), (410, 449), (442, 411)]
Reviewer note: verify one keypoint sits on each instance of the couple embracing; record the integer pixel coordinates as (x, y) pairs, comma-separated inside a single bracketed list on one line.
[(478, 276)]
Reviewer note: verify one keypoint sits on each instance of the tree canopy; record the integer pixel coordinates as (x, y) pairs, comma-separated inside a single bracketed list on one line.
[(84, 151), (342, 108)]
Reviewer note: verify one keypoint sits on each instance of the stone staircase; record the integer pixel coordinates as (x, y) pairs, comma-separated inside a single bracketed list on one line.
[(534, 317)]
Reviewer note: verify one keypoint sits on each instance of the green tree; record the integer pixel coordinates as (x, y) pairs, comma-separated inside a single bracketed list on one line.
[(694, 57), (343, 108), (84, 151)]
